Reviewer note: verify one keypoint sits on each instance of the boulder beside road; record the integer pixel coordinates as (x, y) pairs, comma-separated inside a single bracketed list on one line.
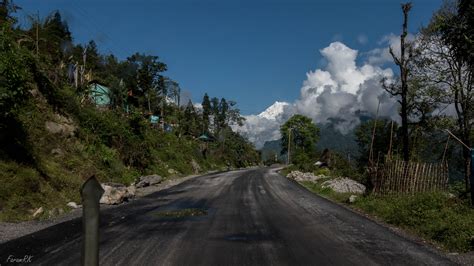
[(300, 176), (116, 193), (344, 185), (148, 180)]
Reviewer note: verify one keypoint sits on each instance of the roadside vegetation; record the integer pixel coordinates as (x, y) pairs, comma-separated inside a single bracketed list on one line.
[(55, 130), (440, 218), (436, 71)]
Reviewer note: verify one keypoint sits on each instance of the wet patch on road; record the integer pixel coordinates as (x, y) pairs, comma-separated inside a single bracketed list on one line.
[(243, 237), (182, 213)]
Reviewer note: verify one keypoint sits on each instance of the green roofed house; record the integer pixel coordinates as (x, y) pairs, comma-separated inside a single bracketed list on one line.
[(99, 94), (206, 138)]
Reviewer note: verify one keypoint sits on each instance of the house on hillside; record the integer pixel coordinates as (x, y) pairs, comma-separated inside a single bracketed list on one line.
[(99, 94)]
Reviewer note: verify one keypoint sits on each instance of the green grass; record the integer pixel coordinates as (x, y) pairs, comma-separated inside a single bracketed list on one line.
[(434, 216), (23, 190), (325, 192)]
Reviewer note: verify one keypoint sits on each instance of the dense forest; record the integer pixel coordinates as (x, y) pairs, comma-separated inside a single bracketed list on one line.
[(69, 112)]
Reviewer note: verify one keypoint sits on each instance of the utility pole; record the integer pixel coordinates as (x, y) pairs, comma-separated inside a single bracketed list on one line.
[(371, 151), (83, 69), (289, 144)]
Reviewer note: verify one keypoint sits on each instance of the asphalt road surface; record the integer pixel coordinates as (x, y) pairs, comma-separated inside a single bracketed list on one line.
[(245, 217)]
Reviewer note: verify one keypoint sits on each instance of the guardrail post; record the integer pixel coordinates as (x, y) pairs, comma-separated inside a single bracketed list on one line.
[(91, 193)]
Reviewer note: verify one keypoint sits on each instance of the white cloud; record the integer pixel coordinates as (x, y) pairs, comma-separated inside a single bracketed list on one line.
[(380, 56), (198, 106), (340, 92)]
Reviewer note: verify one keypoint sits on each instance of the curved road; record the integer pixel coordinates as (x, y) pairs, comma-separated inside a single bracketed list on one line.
[(250, 217)]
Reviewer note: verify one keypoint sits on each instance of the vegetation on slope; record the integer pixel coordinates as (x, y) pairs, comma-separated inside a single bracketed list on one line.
[(53, 134)]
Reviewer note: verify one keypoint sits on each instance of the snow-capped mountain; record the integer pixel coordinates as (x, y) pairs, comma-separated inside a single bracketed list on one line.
[(274, 111), (266, 125)]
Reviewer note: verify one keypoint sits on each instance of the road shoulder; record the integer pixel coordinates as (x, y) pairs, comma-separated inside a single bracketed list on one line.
[(458, 258), (10, 231)]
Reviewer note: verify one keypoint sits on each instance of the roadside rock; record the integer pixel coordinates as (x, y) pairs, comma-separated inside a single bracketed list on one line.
[(344, 185), (62, 129), (55, 212), (38, 212), (116, 193), (57, 151), (352, 198), (300, 176), (148, 180), (132, 191), (72, 205), (196, 167), (171, 171)]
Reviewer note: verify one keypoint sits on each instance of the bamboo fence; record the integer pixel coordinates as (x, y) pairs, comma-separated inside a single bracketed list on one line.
[(400, 177)]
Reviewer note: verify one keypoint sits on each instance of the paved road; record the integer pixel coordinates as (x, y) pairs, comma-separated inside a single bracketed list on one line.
[(254, 217)]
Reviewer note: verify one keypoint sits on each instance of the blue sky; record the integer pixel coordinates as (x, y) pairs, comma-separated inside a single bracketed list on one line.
[(254, 52)]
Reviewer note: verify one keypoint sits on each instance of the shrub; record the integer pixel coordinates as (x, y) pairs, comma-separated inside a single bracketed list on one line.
[(432, 215)]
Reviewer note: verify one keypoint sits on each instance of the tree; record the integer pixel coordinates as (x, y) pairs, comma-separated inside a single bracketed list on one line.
[(6, 9), (381, 142), (93, 58), (445, 67), (15, 73), (233, 116), (190, 123), (222, 116), (457, 29), (215, 114), (302, 134), (149, 80), (206, 112), (173, 89), (400, 88)]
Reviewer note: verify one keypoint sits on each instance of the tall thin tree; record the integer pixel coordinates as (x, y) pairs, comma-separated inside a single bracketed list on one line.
[(401, 88)]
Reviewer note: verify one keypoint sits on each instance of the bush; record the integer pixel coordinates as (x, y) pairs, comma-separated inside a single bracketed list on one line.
[(303, 162), (432, 215), (323, 171)]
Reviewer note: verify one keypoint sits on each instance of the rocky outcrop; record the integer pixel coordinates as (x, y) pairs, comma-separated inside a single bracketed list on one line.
[(116, 193), (196, 167), (352, 198), (344, 185), (148, 180), (57, 152), (72, 205), (61, 125), (171, 171), (300, 176)]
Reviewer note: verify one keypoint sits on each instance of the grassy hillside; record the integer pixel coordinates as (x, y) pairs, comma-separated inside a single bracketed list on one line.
[(53, 135)]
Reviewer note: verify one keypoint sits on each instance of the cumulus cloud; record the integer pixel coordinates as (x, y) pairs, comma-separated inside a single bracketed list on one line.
[(340, 92), (380, 56), (344, 90)]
